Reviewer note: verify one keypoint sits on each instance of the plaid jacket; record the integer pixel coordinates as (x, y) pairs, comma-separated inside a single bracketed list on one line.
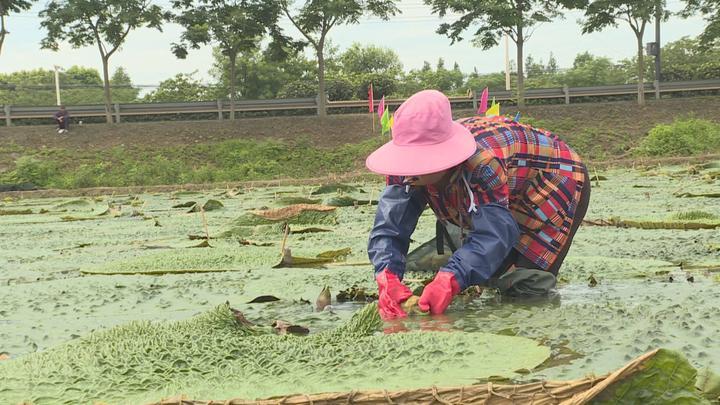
[(528, 170)]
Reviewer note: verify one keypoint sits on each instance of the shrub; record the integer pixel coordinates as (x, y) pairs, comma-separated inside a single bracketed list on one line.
[(683, 137)]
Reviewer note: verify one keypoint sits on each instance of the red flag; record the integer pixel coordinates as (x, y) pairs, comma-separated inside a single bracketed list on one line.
[(381, 107), (371, 99)]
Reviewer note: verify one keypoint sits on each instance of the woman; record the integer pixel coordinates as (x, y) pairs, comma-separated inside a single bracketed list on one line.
[(517, 193)]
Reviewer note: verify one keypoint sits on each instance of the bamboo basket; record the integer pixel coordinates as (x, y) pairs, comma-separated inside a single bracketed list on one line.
[(575, 392)]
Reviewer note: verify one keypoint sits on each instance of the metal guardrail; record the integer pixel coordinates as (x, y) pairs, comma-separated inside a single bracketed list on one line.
[(9, 113)]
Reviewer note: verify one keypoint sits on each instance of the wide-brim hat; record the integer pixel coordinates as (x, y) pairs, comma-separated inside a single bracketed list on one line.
[(425, 139)]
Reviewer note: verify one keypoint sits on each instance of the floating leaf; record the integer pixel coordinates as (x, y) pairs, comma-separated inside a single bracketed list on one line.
[(334, 188), (199, 237), (203, 244), (691, 195), (263, 299), (666, 378), (297, 200), (288, 260), (72, 205), (212, 205), (339, 254), (309, 230), (293, 214), (708, 382), (246, 242), (188, 204), (592, 282), (16, 212)]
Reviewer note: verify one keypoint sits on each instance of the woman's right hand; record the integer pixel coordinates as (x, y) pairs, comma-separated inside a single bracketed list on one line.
[(391, 293)]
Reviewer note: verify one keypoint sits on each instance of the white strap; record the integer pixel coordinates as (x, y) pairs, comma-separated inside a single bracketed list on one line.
[(473, 207)]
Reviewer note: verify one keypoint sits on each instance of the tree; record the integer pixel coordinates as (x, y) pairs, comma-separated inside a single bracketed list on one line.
[(494, 19), (182, 87), (78, 85), (102, 23), (371, 64), (259, 75), (710, 9), (7, 7), (590, 70), (690, 59), (315, 18), (236, 27), (601, 14)]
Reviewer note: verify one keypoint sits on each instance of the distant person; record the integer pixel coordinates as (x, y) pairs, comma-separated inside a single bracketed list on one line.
[(62, 119)]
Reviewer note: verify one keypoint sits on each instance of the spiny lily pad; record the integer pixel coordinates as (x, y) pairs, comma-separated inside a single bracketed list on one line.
[(210, 205), (293, 214), (212, 355), (347, 201)]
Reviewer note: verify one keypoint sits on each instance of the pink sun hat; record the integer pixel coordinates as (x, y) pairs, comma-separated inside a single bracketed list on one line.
[(425, 139)]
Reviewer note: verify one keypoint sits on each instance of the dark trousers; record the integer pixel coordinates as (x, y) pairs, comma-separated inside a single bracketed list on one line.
[(63, 124), (518, 260)]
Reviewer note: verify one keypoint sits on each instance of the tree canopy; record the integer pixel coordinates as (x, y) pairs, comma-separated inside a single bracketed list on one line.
[(102, 23), (7, 7)]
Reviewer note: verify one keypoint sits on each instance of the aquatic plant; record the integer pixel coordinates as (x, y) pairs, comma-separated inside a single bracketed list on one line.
[(213, 355)]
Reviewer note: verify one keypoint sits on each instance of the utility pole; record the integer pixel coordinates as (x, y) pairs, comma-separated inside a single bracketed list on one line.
[(658, 16), (507, 62), (57, 84)]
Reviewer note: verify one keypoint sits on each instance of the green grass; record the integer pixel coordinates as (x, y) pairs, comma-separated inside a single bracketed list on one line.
[(232, 160)]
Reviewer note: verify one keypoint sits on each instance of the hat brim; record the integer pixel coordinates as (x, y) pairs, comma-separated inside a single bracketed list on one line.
[(416, 160)]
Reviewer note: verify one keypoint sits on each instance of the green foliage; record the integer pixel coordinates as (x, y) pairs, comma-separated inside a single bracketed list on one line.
[(102, 23), (236, 29), (182, 87), (688, 59), (7, 7), (682, 138), (590, 70), (233, 160), (78, 85), (710, 9), (315, 19)]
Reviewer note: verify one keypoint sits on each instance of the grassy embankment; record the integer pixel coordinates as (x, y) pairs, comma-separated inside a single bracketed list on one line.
[(596, 131)]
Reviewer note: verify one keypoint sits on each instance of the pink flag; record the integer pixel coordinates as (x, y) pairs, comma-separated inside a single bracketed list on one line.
[(371, 99), (483, 102), (381, 107)]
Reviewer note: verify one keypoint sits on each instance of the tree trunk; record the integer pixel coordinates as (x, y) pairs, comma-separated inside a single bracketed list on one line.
[(520, 67), (322, 97), (106, 86), (233, 83), (2, 28), (641, 71)]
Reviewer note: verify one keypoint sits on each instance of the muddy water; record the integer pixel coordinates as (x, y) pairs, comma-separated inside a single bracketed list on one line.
[(46, 297)]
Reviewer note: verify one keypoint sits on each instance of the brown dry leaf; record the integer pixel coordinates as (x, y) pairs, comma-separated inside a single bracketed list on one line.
[(324, 299), (283, 328), (291, 211), (246, 242), (240, 318)]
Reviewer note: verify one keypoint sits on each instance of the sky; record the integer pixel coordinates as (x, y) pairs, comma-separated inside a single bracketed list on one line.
[(148, 59)]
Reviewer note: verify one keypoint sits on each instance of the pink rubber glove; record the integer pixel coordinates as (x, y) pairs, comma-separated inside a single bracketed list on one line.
[(391, 293), (439, 293)]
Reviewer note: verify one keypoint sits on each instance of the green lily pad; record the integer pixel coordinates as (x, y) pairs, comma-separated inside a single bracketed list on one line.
[(667, 378), (213, 355)]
